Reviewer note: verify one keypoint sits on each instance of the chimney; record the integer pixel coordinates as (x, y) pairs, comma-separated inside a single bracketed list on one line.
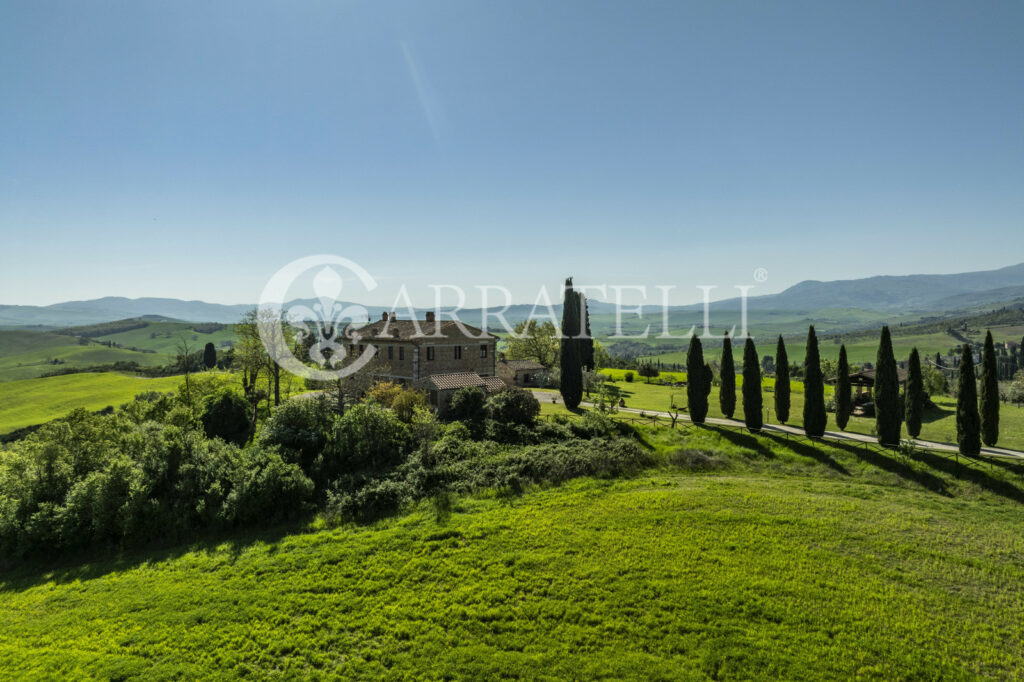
[(384, 316), (430, 316), (392, 316)]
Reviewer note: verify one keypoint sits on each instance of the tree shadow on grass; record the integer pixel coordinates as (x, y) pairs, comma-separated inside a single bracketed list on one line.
[(743, 440), (971, 472), (935, 414), (809, 451), (93, 563), (893, 466)]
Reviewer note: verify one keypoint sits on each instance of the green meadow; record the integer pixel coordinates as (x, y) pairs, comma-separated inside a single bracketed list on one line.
[(28, 354), (164, 337), (34, 401), (735, 557)]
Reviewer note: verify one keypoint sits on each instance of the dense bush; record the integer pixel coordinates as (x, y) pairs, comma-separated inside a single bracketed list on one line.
[(513, 406), (468, 405), (368, 438), (301, 429), (225, 415)]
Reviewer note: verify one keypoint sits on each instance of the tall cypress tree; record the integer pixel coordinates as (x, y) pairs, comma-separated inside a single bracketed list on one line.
[(815, 418), (781, 382), (989, 397), (587, 341), (752, 405), (843, 398), (696, 396), (571, 384), (209, 355), (968, 422), (887, 392), (727, 389), (914, 398)]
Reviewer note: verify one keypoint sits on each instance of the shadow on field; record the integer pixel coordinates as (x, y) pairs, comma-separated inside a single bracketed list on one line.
[(934, 414), (745, 440), (21, 575), (809, 451), (905, 471), (968, 472)]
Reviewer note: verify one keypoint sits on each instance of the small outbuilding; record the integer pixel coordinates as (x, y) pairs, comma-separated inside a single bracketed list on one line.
[(521, 372), (441, 387)]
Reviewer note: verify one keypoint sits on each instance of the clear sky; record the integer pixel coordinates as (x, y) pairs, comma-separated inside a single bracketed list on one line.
[(190, 149)]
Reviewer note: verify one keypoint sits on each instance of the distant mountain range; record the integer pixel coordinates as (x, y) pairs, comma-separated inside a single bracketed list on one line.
[(883, 294)]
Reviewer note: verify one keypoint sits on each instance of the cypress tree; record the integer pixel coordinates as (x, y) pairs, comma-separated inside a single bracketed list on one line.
[(727, 389), (968, 422), (751, 387), (781, 382), (571, 384), (815, 418), (843, 398), (989, 397), (209, 356), (696, 395), (887, 392), (587, 342), (915, 395)]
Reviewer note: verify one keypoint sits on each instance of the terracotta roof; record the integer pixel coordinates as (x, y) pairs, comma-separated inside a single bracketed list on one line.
[(456, 380), (418, 331), (522, 364), (492, 384)]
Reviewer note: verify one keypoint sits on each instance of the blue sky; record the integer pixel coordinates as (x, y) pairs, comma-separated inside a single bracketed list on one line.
[(190, 150)]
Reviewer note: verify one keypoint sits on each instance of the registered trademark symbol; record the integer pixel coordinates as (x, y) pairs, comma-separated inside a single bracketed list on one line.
[(760, 275)]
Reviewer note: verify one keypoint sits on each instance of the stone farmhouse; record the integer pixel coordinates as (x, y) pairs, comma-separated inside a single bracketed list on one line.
[(521, 372), (435, 356)]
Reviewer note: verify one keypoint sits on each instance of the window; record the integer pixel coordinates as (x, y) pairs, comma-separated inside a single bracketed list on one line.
[(391, 352), (430, 353), (458, 352), (401, 352), (483, 350)]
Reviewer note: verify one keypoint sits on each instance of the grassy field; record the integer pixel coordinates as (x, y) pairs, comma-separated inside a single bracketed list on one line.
[(740, 557), (34, 401), (164, 337), (29, 354)]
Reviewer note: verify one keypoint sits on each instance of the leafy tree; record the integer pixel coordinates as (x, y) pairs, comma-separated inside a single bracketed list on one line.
[(301, 429), (534, 341), (225, 415), (513, 406), (648, 371), (887, 392), (696, 395), (368, 438), (210, 356), (727, 389), (782, 388), (843, 397), (815, 417), (934, 381), (968, 421), (408, 404), (571, 383), (989, 397), (752, 405), (467, 405), (914, 398)]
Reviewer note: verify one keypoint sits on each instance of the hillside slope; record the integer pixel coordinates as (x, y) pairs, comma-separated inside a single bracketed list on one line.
[(668, 577)]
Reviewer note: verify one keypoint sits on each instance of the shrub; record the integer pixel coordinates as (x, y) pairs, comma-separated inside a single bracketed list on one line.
[(383, 393), (301, 428), (629, 376), (407, 402), (372, 501), (513, 406), (468, 405), (369, 438), (265, 488), (225, 415)]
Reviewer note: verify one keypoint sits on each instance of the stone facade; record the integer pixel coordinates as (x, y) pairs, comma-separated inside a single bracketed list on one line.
[(415, 349)]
